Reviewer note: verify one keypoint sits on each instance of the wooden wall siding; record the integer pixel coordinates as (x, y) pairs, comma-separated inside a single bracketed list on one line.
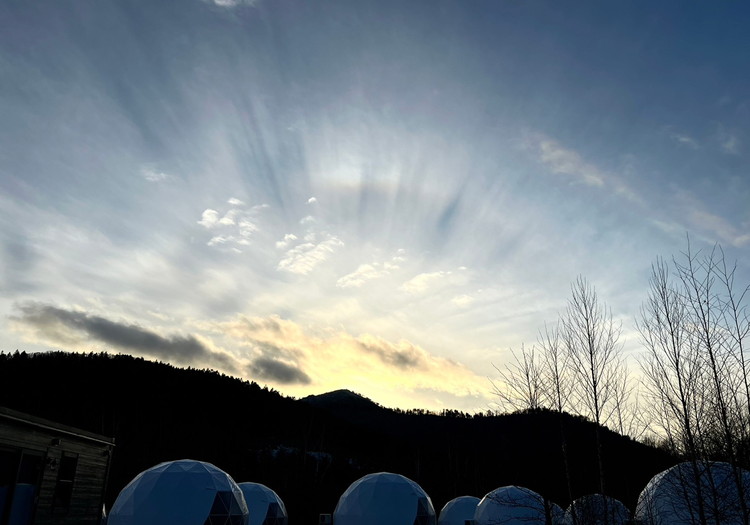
[(90, 476)]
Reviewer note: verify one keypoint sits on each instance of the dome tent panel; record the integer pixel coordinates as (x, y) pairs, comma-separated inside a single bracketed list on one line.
[(597, 509), (384, 499), (682, 493), (458, 510), (183, 492), (511, 505), (264, 505)]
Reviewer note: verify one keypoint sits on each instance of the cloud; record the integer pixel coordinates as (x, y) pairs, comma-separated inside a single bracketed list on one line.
[(364, 273), (563, 161), (422, 282), (368, 272), (403, 355), (288, 239), (303, 258), (152, 175), (233, 3), (730, 143), (683, 139), (72, 328), (277, 371), (720, 227), (567, 162), (312, 200), (209, 218), (701, 219), (463, 301), (235, 228)]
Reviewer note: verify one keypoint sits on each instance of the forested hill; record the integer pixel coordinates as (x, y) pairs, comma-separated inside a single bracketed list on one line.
[(310, 450)]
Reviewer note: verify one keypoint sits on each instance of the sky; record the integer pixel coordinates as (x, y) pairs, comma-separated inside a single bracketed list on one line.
[(383, 196)]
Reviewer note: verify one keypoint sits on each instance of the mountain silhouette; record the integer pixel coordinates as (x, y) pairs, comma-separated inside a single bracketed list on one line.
[(310, 450)]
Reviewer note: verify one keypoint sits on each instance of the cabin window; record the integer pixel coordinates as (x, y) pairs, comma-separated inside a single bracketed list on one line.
[(66, 475)]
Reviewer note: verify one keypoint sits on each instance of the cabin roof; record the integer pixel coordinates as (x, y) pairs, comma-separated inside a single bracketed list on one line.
[(38, 422)]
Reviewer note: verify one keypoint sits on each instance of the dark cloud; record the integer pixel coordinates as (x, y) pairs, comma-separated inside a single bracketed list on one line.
[(277, 371), (271, 350), (400, 358), (46, 319)]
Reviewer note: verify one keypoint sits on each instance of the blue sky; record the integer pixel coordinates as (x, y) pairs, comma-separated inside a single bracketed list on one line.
[(381, 196)]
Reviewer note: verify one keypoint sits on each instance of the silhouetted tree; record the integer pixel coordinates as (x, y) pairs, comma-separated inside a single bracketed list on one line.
[(521, 384), (695, 327), (591, 339)]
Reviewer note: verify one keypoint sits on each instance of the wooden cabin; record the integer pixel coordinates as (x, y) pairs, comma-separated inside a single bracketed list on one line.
[(50, 473)]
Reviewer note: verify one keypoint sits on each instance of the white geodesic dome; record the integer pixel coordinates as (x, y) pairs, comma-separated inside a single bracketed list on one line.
[(511, 505), (384, 499), (183, 492), (263, 504), (597, 509), (458, 510), (675, 497)]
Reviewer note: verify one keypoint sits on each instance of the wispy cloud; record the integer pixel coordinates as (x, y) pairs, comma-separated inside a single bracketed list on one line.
[(568, 162), (698, 218), (304, 252), (682, 139), (233, 3), (153, 175), (463, 300), (370, 271), (365, 273), (563, 161), (304, 257), (424, 281), (729, 141)]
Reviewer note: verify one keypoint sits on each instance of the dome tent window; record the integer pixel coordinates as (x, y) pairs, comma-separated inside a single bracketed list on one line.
[(225, 510)]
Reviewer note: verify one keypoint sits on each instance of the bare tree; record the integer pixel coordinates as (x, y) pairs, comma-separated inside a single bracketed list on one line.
[(673, 371), (708, 308), (554, 364), (520, 386), (695, 327), (672, 364), (557, 390), (591, 339), (737, 322)]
